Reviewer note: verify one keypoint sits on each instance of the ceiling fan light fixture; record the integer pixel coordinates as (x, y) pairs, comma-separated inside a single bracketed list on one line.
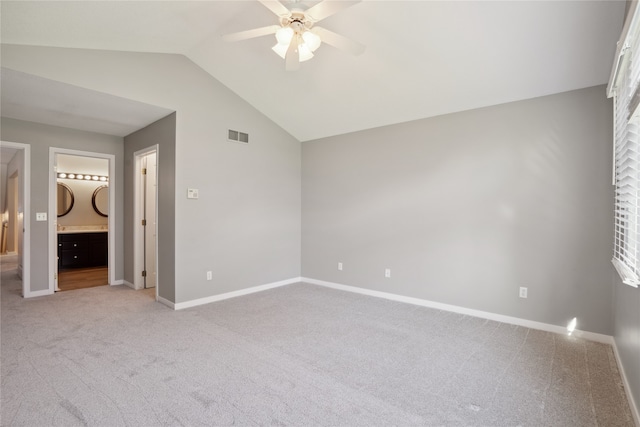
[(297, 36), (304, 52), (284, 35), (311, 40), (280, 49)]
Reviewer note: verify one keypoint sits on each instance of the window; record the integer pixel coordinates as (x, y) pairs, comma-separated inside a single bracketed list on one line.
[(626, 253), (625, 89)]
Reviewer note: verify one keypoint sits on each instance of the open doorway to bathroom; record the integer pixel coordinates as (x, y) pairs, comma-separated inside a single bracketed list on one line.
[(82, 201), (81, 197)]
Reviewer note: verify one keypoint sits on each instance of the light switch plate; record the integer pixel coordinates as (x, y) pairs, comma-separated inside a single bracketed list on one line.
[(192, 193), (41, 216)]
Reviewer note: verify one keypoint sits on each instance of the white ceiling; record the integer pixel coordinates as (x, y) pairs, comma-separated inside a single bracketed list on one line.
[(6, 155), (423, 58), (81, 164), (32, 98)]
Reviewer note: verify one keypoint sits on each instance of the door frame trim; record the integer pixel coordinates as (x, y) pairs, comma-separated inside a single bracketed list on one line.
[(26, 216), (138, 254), (53, 213)]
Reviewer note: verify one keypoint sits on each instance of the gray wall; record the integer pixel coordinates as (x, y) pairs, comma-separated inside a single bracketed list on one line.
[(41, 137), (466, 208), (245, 227), (162, 133), (626, 315)]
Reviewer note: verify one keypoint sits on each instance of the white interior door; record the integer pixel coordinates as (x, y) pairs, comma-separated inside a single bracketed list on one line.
[(150, 220)]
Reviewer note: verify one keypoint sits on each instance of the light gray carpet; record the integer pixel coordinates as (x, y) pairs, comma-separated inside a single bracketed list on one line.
[(299, 355)]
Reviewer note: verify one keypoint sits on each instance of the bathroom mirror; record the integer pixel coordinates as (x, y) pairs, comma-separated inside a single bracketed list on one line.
[(65, 199), (100, 200)]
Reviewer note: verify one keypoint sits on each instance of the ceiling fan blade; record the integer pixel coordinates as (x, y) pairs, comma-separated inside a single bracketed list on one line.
[(249, 34), (276, 7), (326, 8), (292, 58), (338, 41)]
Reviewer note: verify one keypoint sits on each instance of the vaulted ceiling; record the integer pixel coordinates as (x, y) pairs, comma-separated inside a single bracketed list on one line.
[(422, 58)]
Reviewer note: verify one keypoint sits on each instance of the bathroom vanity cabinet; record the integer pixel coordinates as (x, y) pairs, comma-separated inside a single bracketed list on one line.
[(81, 250)]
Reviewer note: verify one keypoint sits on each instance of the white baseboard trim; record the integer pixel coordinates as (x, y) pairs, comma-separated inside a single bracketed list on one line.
[(131, 285), (214, 298), (128, 284), (632, 403), (166, 302), (592, 336), (42, 293), (118, 283)]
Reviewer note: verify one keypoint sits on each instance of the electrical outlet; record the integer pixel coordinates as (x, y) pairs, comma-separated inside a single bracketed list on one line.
[(523, 292), (387, 272), (41, 216), (340, 266), (209, 275)]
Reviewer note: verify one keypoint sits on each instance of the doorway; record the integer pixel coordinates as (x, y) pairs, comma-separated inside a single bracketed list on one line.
[(81, 208), (12, 228), (16, 224), (82, 227), (145, 219)]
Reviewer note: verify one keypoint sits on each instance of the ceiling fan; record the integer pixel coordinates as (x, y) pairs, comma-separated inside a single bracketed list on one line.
[(297, 36)]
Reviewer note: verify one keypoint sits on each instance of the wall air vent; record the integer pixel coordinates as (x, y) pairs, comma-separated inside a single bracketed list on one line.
[(236, 136)]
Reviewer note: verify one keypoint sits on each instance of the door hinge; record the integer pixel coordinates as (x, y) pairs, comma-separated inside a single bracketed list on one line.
[(144, 171), (144, 273), (144, 222), (55, 276)]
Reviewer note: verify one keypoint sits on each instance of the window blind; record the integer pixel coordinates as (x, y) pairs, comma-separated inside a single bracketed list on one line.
[(624, 88)]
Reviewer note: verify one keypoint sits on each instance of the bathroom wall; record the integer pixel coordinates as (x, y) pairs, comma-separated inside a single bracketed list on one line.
[(82, 212)]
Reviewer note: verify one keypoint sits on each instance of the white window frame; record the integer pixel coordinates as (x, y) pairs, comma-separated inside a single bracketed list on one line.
[(626, 257), (624, 87)]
